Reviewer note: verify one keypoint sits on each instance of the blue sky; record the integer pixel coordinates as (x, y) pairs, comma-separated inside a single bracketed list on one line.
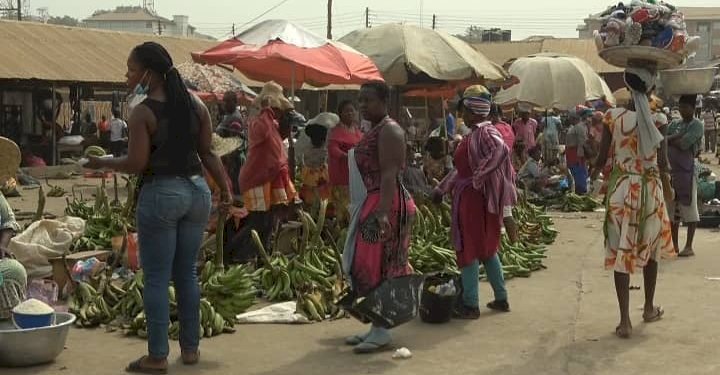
[(216, 17)]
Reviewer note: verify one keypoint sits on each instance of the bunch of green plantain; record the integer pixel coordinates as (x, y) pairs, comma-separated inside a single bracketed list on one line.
[(103, 220), (274, 276), (430, 248), (519, 259), (318, 305), (211, 322), (431, 251), (89, 304), (56, 191), (572, 202), (230, 292), (95, 151), (534, 225)]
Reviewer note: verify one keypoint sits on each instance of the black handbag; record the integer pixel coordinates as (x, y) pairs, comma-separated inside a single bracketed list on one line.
[(394, 302)]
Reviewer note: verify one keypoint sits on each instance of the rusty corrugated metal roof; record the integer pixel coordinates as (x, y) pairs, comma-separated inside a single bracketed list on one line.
[(34, 51)]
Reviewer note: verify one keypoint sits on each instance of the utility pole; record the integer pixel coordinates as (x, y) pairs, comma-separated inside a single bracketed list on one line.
[(233, 30), (367, 17), (329, 19), (19, 9), (159, 28), (433, 24)]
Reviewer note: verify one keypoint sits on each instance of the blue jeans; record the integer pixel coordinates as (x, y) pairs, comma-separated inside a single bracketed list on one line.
[(172, 214), (470, 275)]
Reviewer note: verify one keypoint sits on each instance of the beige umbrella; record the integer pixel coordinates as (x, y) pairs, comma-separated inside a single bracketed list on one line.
[(550, 80), (407, 54)]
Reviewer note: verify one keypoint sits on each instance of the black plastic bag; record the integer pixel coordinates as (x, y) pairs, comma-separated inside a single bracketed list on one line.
[(394, 302)]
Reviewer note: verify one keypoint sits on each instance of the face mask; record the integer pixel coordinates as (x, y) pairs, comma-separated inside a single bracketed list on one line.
[(138, 95)]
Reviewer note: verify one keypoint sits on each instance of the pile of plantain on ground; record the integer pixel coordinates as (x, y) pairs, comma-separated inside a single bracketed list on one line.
[(312, 275), (431, 250)]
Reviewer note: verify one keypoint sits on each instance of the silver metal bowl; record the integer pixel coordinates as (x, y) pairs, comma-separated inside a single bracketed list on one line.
[(28, 347), (687, 81)]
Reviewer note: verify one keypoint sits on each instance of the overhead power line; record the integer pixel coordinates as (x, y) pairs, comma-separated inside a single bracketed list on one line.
[(264, 13)]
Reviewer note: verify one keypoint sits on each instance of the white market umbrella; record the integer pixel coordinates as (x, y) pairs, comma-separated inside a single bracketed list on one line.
[(551, 80), (407, 54)]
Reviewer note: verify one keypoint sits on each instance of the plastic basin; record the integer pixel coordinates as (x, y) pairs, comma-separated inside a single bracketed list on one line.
[(34, 346)]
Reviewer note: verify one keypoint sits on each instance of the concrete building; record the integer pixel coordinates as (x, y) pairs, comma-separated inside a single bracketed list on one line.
[(700, 21), (141, 20)]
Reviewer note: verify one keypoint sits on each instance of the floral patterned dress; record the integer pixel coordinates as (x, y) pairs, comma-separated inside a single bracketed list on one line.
[(637, 227)]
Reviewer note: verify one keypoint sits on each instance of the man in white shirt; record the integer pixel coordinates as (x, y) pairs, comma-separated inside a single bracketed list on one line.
[(118, 134)]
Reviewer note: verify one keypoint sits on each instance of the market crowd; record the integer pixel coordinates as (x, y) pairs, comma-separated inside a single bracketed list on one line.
[(263, 158)]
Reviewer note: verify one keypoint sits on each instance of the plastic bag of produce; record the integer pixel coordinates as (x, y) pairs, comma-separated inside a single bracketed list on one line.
[(45, 239), (279, 313)]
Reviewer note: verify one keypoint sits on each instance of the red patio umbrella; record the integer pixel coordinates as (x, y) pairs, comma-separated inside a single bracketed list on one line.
[(280, 51)]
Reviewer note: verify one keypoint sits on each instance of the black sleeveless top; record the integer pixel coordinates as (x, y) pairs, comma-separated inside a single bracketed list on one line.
[(172, 154)]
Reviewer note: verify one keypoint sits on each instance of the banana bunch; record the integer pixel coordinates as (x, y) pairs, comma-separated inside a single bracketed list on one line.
[(428, 258), (430, 250), (55, 190), (275, 279), (95, 151), (211, 322), (104, 219), (230, 292), (89, 306), (572, 202), (304, 274), (534, 225), (520, 259), (318, 306)]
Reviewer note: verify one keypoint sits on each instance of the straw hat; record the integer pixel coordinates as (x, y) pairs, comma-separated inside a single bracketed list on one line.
[(222, 146), (272, 95), (327, 120), (10, 156)]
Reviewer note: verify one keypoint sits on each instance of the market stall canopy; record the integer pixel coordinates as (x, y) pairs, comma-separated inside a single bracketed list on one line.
[(408, 54), (551, 80), (280, 51), (212, 82)]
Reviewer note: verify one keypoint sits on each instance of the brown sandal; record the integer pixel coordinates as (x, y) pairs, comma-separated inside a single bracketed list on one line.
[(138, 367)]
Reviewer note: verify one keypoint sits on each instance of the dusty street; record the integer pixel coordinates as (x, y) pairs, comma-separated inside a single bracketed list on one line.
[(562, 322)]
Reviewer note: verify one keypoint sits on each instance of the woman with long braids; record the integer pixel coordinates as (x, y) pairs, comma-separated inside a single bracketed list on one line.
[(170, 138)]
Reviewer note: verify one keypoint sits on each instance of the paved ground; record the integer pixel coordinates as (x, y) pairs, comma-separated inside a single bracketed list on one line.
[(562, 323)]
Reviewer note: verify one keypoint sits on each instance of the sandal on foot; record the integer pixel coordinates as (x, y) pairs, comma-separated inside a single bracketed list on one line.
[(367, 347), (190, 358), (354, 340), (465, 312), (138, 367), (656, 315), (623, 335), (496, 305), (686, 253)]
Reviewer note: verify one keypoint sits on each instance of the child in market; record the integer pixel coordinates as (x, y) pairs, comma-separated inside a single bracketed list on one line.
[(314, 159)]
